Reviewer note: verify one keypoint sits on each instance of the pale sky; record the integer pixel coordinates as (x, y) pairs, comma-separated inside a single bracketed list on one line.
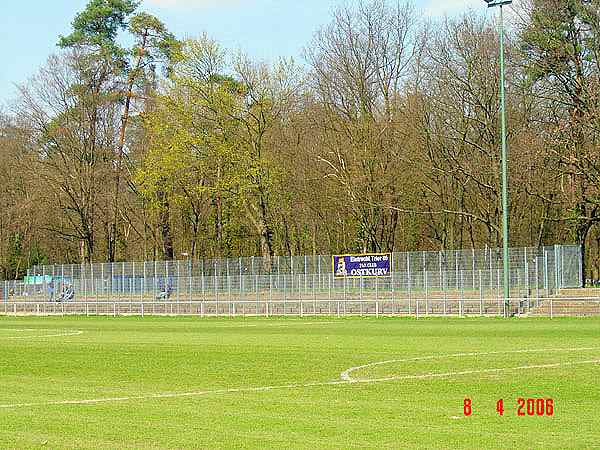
[(265, 29)]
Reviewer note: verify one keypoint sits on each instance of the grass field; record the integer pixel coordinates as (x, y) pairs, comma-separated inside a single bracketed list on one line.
[(105, 383)]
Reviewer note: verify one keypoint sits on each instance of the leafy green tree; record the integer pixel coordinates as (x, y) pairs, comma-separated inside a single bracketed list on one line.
[(99, 24), (221, 117), (192, 155)]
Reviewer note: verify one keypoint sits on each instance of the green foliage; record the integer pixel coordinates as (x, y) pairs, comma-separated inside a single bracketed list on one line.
[(14, 263), (205, 144), (560, 33), (98, 25), (21, 255), (153, 41)]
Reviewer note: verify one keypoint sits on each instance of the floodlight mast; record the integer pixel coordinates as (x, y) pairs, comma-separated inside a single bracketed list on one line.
[(505, 261)]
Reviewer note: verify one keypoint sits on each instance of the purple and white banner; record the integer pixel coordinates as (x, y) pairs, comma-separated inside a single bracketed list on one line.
[(367, 265)]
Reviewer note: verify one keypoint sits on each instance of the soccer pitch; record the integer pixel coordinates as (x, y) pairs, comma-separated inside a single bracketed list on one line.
[(176, 382)]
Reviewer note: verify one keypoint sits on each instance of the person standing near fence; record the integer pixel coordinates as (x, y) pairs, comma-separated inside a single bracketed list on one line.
[(51, 291)]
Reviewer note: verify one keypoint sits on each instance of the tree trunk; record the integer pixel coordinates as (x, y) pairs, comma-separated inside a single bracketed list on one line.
[(258, 217), (581, 237), (120, 147), (165, 227), (219, 221), (266, 249), (219, 213)]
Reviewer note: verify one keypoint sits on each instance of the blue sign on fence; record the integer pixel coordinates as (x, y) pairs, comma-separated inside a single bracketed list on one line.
[(362, 266)]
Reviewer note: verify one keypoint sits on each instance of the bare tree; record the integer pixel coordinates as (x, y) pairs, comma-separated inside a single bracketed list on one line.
[(360, 65), (73, 119)]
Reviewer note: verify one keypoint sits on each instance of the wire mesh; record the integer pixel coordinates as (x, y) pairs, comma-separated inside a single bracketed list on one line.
[(451, 282)]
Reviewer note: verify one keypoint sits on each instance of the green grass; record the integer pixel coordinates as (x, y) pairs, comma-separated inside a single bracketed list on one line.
[(127, 357)]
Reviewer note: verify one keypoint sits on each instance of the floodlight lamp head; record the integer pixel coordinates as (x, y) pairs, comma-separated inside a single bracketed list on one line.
[(492, 3)]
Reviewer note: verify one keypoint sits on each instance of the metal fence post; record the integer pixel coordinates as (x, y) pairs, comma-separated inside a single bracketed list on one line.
[(190, 278), (270, 293), (426, 282), (215, 285), (360, 290), (408, 282), (462, 292), (499, 291), (441, 278), (473, 270), (537, 282), (305, 273), (527, 289), (393, 289), (257, 293), (445, 290), (557, 268), (580, 262), (229, 297), (178, 277), (329, 276), (84, 283), (519, 285), (480, 295), (320, 281), (345, 298), (417, 308), (314, 294), (202, 287), (284, 293), (456, 276), (546, 287)]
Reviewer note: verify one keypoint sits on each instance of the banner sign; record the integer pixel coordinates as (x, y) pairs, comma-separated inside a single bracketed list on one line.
[(362, 266)]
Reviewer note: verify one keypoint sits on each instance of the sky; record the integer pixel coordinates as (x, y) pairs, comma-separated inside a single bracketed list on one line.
[(265, 29)]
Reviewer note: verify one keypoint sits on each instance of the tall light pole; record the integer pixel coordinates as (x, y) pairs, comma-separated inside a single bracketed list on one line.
[(506, 268)]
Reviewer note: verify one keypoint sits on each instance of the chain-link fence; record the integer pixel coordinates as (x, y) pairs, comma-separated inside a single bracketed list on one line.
[(457, 282), (563, 259)]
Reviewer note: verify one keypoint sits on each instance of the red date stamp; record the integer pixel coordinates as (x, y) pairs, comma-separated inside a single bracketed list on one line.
[(541, 407)]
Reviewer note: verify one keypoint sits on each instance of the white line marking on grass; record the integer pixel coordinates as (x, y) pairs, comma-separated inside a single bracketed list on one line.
[(350, 381), (345, 375), (271, 325), (55, 333), (473, 371)]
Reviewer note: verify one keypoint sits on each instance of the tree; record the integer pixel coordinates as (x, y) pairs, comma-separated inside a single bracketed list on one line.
[(20, 223), (221, 127), (97, 27), (72, 127), (561, 41), (360, 66)]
